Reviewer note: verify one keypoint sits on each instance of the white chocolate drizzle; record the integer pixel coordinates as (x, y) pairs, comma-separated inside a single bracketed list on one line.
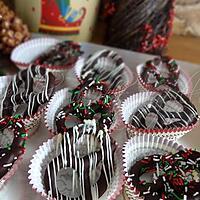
[(89, 168)]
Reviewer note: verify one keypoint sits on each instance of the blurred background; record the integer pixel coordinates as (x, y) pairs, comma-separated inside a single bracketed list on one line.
[(184, 43)]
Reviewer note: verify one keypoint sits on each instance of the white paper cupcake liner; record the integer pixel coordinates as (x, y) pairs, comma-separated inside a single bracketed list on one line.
[(4, 81), (47, 152), (22, 58), (131, 105), (21, 55), (57, 102), (33, 123), (127, 76), (137, 148), (118, 123), (62, 99), (184, 82)]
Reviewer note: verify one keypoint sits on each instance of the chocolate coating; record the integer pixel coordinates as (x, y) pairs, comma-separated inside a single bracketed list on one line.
[(169, 109), (31, 88), (105, 66), (148, 190), (84, 105), (94, 169), (15, 148), (175, 176), (64, 54), (162, 71)]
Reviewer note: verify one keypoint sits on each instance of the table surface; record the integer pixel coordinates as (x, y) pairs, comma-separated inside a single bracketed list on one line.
[(18, 187)]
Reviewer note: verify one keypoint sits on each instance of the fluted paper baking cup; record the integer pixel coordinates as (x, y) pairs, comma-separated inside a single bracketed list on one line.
[(21, 55), (32, 123), (4, 82), (127, 75), (118, 123), (47, 152), (184, 82), (130, 105), (57, 102), (62, 99), (136, 149)]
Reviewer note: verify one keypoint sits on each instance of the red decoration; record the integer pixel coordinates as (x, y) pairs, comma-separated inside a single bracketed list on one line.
[(54, 20)]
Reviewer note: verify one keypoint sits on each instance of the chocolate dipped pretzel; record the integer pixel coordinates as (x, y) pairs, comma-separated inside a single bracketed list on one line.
[(105, 66), (185, 178), (64, 54), (162, 71), (31, 88), (169, 177), (88, 101), (168, 109), (84, 166), (12, 142)]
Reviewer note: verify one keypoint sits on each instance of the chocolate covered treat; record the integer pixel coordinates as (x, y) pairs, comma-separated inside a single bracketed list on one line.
[(105, 66), (64, 54), (12, 142), (88, 101), (171, 176), (169, 109), (162, 72), (154, 185), (84, 165), (143, 26), (30, 89), (186, 178)]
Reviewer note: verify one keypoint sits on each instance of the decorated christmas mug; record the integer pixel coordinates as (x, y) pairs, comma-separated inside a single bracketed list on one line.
[(73, 19)]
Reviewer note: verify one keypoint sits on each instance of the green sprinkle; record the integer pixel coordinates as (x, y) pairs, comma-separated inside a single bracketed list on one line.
[(177, 197), (161, 80), (143, 169), (186, 182), (92, 110), (8, 146), (23, 135), (17, 116), (23, 144), (76, 106), (97, 80), (77, 92)]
